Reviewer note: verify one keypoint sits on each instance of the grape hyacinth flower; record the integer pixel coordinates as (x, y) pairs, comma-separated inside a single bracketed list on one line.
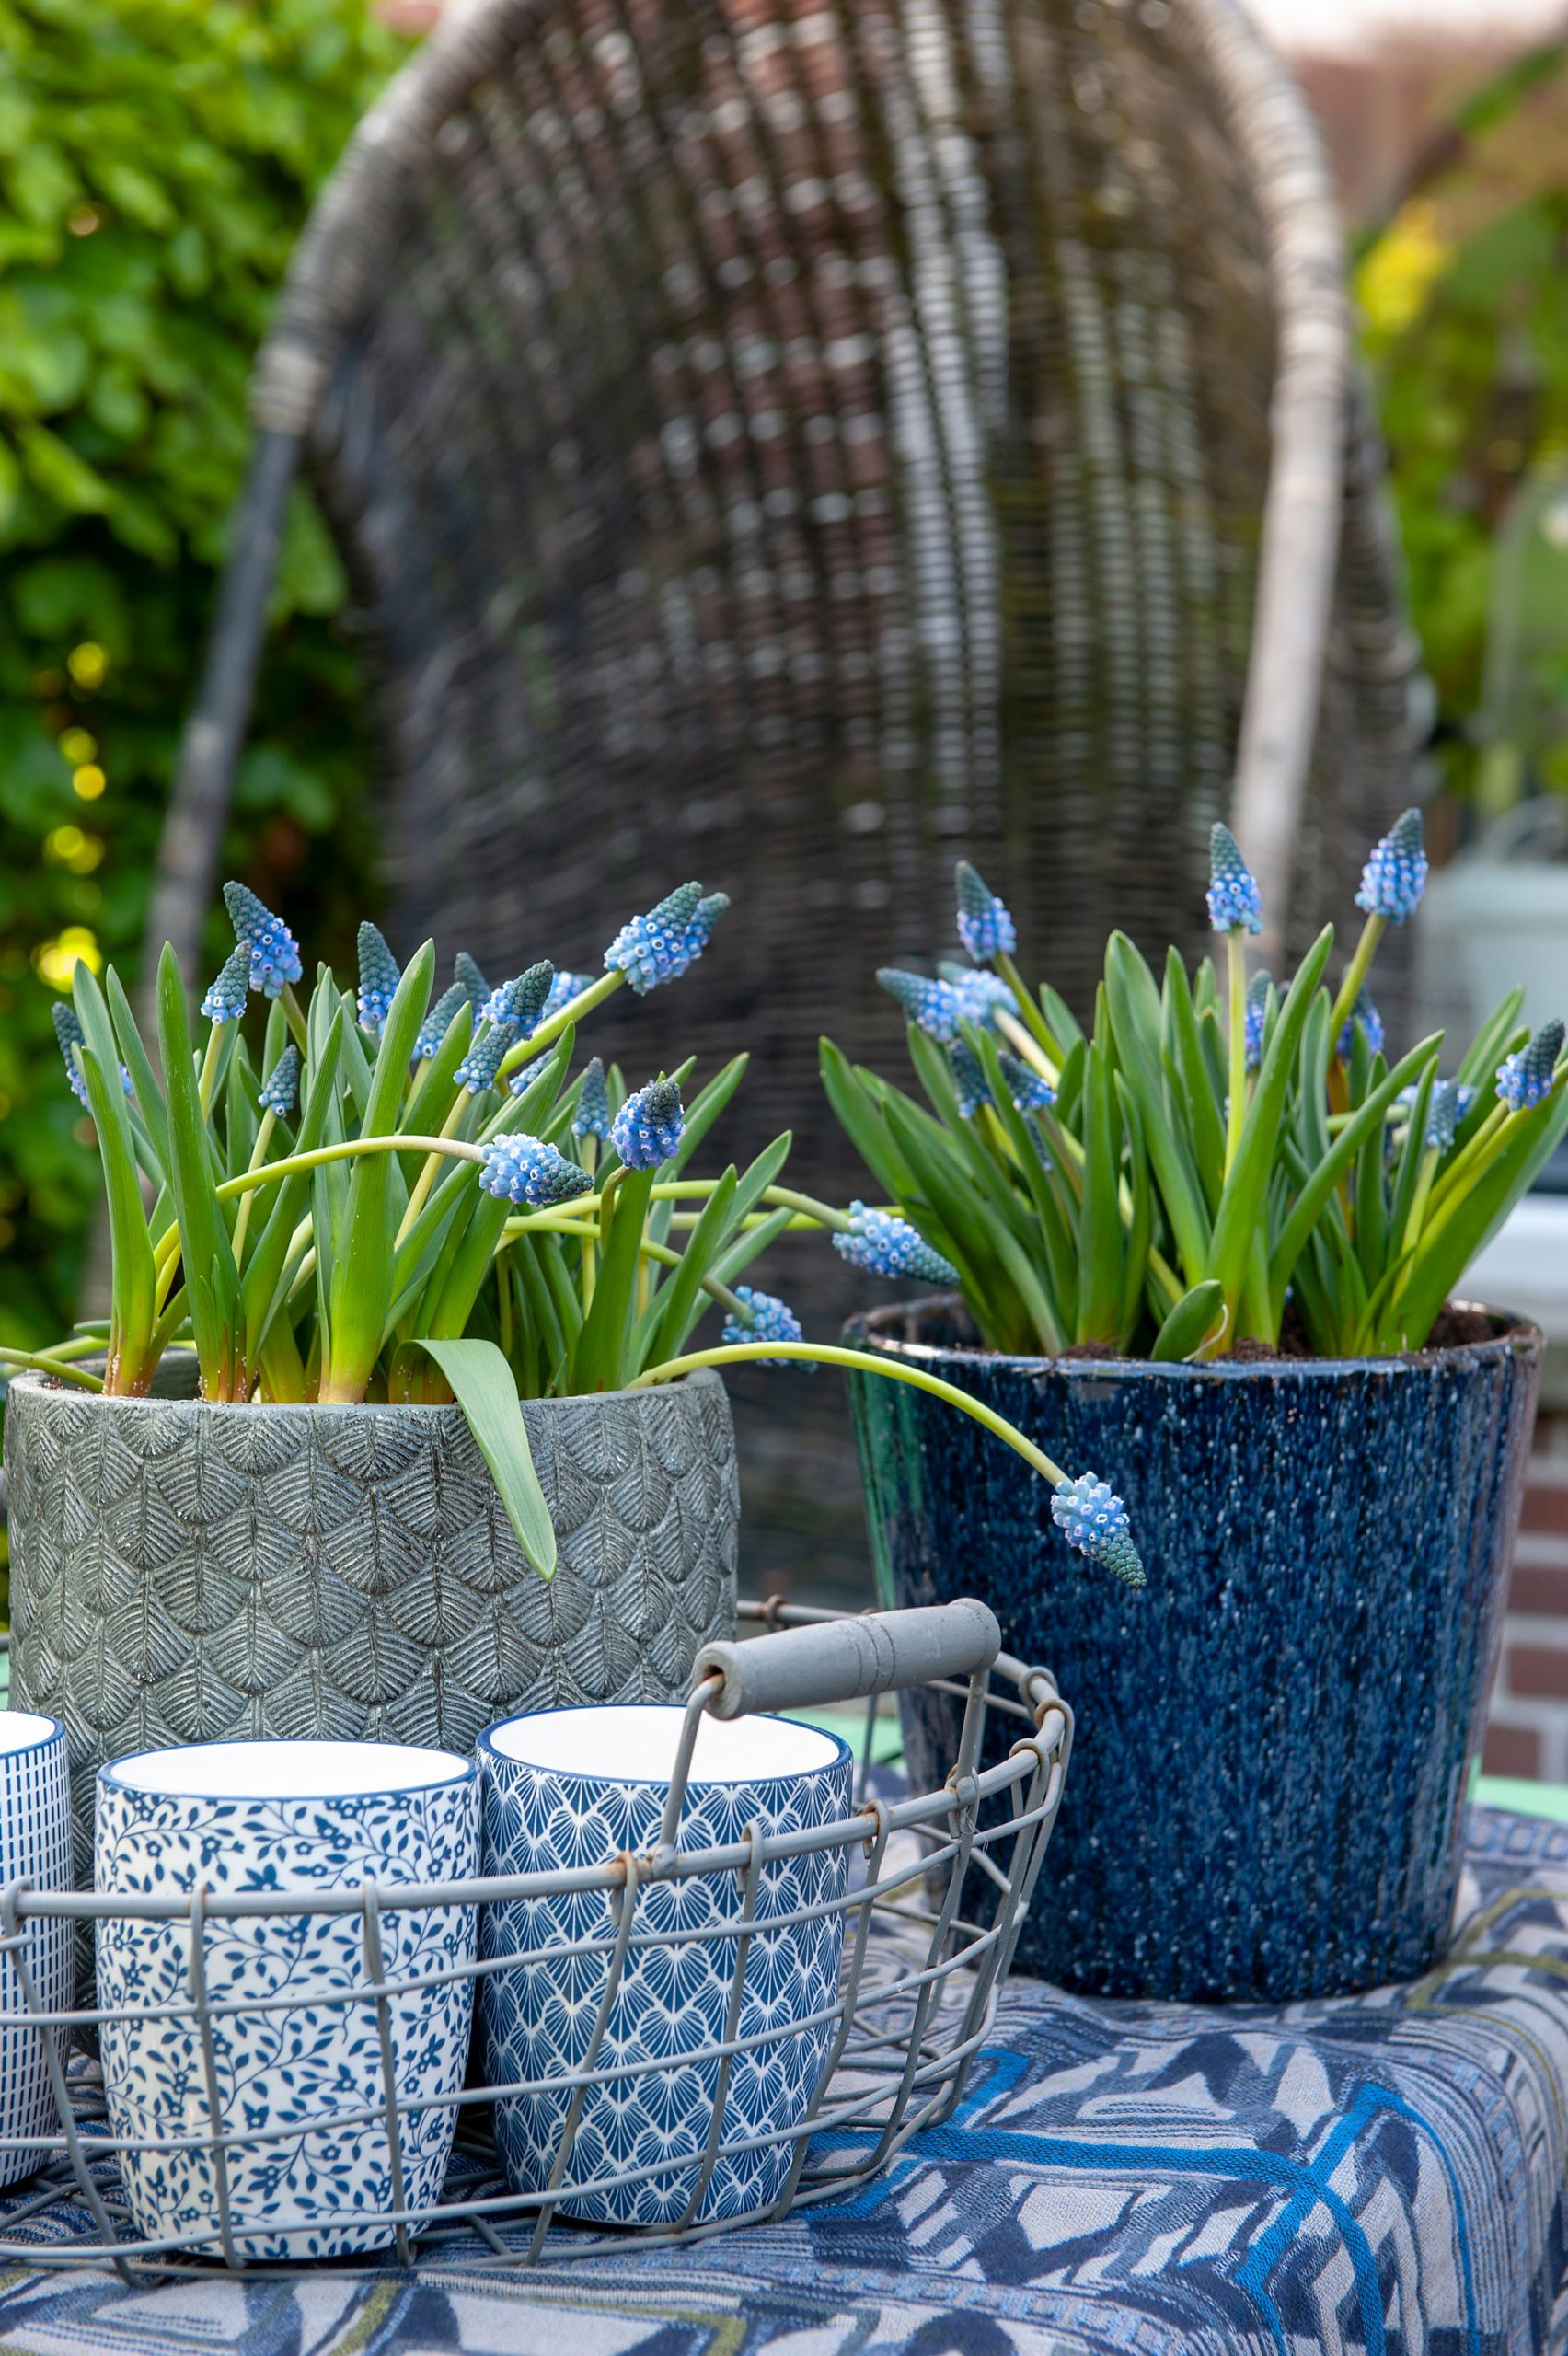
[(278, 1091), (985, 926), (934, 1007), (1371, 1022), (981, 997), (274, 952), (225, 1001), (563, 988), (480, 1065), (969, 1079), (1394, 877), (650, 1125), (1258, 990), (1029, 1089), (659, 947), (1525, 1077), (1095, 1521), (438, 1022), (591, 1118), (521, 1000), (1444, 1112), (69, 1033), (1233, 899), (770, 1321), (379, 975), (521, 1169), (887, 1246), (468, 977)]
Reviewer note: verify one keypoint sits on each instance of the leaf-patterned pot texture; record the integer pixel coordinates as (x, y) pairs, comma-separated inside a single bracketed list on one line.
[(1273, 1737), (35, 1847), (576, 1789), (307, 1817), (187, 1573)]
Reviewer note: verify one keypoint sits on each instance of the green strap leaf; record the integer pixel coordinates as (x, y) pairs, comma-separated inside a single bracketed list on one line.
[(482, 1385), (211, 1277), (1191, 1323)]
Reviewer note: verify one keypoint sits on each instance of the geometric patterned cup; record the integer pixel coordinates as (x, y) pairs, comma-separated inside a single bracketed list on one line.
[(572, 1788), (303, 2050), (35, 1845)]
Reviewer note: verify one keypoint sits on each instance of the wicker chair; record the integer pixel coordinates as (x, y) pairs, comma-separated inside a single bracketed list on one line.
[(795, 446)]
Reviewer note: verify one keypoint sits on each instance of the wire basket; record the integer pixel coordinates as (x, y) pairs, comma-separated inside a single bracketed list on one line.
[(928, 1891)]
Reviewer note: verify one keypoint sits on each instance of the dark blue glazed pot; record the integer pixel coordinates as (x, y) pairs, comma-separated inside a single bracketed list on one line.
[(1271, 1738)]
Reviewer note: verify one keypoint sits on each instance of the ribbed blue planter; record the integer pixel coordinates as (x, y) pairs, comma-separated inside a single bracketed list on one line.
[(1273, 1737)]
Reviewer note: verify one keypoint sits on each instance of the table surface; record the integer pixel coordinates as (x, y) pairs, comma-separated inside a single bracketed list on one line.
[(1384, 2174)]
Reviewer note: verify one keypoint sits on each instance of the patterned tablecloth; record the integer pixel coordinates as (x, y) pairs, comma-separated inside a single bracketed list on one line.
[(1382, 2174)]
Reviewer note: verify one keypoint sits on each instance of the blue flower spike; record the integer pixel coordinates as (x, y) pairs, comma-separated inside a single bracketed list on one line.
[(1092, 1518), (69, 1033), (478, 1067), (934, 1007), (379, 975), (770, 1321), (591, 1118), (1526, 1075), (1394, 878), (466, 977), (969, 1079), (1233, 900), (274, 952), (520, 1169), (1031, 1091), (658, 947), (1444, 1112), (521, 1000), (1257, 1009), (981, 997), (648, 1129), (985, 927), (563, 988), (887, 1246), (1371, 1022), (438, 1022), (278, 1092), (225, 1001)]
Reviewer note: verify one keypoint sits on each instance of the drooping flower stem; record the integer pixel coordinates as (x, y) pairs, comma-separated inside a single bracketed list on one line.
[(45, 1362), (453, 1149), (826, 1353), (1356, 973), (1236, 1112), (420, 1192), (549, 1031)]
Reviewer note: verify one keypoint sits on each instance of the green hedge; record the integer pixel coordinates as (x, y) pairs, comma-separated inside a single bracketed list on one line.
[(157, 158)]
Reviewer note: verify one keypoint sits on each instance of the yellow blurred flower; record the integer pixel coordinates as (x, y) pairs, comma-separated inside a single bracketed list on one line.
[(89, 781), (1398, 274), (71, 847), (55, 961), (78, 745), (86, 664)]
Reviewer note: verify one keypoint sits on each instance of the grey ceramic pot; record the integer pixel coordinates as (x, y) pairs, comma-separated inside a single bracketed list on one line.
[(1272, 1739), (187, 1573)]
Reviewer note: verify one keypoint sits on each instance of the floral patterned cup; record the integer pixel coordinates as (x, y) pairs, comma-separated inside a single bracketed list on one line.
[(574, 1788), (297, 2062), (35, 1847)]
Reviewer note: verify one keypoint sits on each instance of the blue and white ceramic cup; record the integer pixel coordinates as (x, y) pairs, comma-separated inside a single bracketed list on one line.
[(307, 1817), (35, 1847), (572, 1788)]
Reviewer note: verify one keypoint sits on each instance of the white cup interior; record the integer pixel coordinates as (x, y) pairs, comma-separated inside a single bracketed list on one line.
[(21, 1729), (266, 1771), (638, 1745)]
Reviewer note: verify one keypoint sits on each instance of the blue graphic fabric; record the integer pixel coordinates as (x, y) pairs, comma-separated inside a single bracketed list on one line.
[(1383, 2175)]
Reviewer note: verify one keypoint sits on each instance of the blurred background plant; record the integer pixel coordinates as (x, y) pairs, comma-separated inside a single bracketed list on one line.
[(156, 162), (1464, 291)]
